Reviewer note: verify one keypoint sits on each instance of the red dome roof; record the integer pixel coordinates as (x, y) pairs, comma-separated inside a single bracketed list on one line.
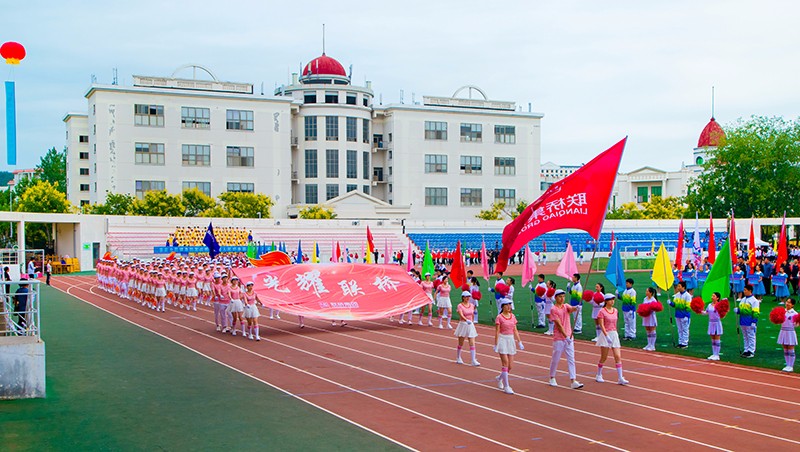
[(711, 135), (324, 65)]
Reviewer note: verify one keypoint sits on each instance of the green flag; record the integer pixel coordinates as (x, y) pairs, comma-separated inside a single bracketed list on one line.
[(427, 262), (720, 275), (251, 250), (273, 247)]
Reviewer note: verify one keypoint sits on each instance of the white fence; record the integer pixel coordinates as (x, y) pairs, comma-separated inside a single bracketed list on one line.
[(19, 313)]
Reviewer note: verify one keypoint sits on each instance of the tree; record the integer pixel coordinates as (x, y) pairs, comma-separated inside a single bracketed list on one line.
[(241, 205), (43, 196), (159, 203), (53, 168), (752, 172), (196, 202), (627, 211), (659, 208), (116, 204), (493, 213), (317, 212)]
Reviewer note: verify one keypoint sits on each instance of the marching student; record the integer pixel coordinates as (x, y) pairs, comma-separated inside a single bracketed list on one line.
[(217, 296), (650, 322), (549, 300), (427, 287), (505, 335), (788, 337), (714, 326), (465, 328), (681, 302), (748, 311), (160, 293), (609, 339), (575, 291), (443, 302), (596, 310), (629, 310), (191, 292), (563, 339), (251, 313), (475, 295), (540, 286), (236, 306)]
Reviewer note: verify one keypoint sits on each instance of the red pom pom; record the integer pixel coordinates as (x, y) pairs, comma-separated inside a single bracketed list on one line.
[(644, 309), (697, 305), (540, 291), (550, 292), (722, 307), (796, 319), (598, 297), (777, 315), (465, 288), (587, 295), (657, 306), (501, 288)]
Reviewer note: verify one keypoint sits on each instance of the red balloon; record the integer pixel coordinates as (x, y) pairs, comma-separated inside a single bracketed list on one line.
[(13, 52)]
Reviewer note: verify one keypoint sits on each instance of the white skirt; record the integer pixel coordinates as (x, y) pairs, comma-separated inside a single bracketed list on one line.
[(207, 287), (464, 329), (506, 345), (191, 292), (787, 337), (444, 303), (650, 320), (236, 306), (714, 328), (613, 335), (251, 311), (161, 292), (547, 308)]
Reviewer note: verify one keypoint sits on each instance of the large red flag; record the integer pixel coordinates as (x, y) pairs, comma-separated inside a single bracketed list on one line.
[(679, 251), (579, 201), (733, 241), (782, 253), (457, 272), (712, 246), (751, 249)]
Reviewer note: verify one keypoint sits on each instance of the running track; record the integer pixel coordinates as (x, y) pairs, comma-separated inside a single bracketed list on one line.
[(401, 382)]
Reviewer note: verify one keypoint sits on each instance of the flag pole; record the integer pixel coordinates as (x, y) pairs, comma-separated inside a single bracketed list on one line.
[(591, 261)]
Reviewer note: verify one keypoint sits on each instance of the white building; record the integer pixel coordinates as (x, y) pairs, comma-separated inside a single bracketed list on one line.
[(315, 140), (552, 172)]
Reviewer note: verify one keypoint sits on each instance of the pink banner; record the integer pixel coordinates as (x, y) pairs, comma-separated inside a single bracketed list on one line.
[(336, 291)]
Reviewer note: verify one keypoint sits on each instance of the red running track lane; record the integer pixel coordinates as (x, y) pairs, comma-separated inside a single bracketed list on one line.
[(397, 379)]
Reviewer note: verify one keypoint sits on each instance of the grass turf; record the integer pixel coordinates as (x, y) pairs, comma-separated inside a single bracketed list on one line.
[(114, 386)]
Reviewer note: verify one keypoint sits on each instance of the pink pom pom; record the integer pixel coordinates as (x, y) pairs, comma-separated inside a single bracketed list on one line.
[(598, 297), (540, 291), (722, 307), (644, 310), (501, 288), (587, 295), (697, 305), (657, 306), (777, 315), (551, 292)]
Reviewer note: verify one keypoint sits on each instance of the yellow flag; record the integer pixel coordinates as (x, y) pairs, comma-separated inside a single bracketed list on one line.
[(653, 248), (368, 254), (314, 257), (662, 271)]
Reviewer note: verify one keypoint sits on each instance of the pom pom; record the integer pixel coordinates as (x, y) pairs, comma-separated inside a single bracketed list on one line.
[(796, 319), (587, 295), (656, 306), (465, 288), (722, 307), (697, 305), (777, 315), (476, 294), (644, 310), (501, 288), (550, 292), (540, 291), (598, 297)]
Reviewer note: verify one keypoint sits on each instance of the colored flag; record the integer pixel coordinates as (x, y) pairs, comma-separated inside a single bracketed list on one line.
[(662, 270), (653, 248), (484, 261), (299, 258), (712, 245), (458, 273), (315, 254), (614, 272), (544, 246), (578, 201), (273, 247), (347, 254), (528, 267), (211, 242), (338, 252), (370, 246), (679, 250), (719, 277), (169, 258), (427, 261), (387, 252), (734, 242), (751, 249), (568, 267), (697, 249), (613, 241), (782, 252)]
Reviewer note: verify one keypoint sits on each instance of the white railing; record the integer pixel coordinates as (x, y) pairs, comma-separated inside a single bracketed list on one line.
[(19, 313)]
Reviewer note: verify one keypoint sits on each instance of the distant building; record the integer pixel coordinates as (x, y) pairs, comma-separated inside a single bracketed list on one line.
[(552, 172)]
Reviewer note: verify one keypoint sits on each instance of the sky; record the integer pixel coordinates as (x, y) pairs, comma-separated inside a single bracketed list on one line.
[(598, 71)]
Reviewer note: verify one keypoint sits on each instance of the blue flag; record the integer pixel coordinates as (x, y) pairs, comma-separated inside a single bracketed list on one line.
[(299, 259), (347, 253), (614, 271), (211, 242)]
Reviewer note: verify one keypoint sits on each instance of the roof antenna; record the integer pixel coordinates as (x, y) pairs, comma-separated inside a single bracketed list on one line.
[(323, 39), (712, 102)]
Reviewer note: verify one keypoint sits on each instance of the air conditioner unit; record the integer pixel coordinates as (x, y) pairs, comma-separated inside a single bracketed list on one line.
[(355, 223)]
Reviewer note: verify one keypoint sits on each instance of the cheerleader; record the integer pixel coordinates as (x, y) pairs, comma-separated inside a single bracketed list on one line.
[(505, 334), (542, 318), (475, 295), (236, 306), (596, 310), (443, 303), (161, 293), (563, 339), (274, 314), (251, 313), (575, 291), (465, 328), (609, 339), (650, 322), (758, 288), (788, 337), (629, 310), (714, 326), (781, 289), (427, 287), (738, 282)]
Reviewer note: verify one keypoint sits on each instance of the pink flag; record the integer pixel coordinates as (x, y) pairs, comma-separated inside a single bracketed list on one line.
[(409, 259), (387, 259), (528, 267), (484, 262), (567, 267)]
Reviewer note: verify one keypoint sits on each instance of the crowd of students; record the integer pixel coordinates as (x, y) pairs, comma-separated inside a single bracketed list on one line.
[(194, 235)]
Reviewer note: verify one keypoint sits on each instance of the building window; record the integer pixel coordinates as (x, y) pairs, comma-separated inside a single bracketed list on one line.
[(83, 155), (435, 196), (331, 97), (505, 134), (310, 97), (312, 196), (390, 188), (311, 128), (148, 115), (351, 98), (84, 171), (365, 189), (144, 186), (471, 132), (352, 165), (149, 153), (471, 164), (435, 130), (351, 187), (311, 163), (332, 128), (365, 131), (239, 120), (471, 197), (241, 187), (365, 164), (331, 191), (204, 187), (365, 101), (331, 163), (195, 118), (84, 187), (641, 193), (655, 190), (85, 202), (240, 156), (505, 166), (83, 138), (196, 155), (435, 163), (351, 128), (506, 195)]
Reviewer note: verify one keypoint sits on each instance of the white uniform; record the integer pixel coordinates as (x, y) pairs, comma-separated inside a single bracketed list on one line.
[(749, 323), (630, 316)]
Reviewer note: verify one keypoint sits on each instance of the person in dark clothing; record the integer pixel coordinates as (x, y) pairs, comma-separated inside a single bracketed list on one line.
[(795, 276), (21, 303)]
